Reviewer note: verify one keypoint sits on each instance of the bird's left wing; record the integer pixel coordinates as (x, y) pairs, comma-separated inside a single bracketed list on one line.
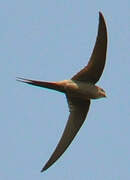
[(78, 111)]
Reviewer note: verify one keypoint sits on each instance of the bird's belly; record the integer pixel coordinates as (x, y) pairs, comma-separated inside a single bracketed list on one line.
[(82, 90)]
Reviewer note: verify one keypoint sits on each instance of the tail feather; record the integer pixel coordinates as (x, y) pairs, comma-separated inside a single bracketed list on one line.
[(50, 85)]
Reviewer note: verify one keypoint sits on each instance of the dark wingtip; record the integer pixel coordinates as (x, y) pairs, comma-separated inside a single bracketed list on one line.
[(43, 169), (46, 166), (100, 13), (101, 17)]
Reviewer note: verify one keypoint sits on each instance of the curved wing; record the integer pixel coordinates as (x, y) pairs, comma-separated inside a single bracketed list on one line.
[(93, 71), (78, 112)]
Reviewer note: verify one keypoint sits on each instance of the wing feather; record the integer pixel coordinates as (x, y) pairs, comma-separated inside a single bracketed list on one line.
[(93, 71), (78, 112)]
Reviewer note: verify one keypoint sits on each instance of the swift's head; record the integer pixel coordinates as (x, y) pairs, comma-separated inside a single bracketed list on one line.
[(101, 92)]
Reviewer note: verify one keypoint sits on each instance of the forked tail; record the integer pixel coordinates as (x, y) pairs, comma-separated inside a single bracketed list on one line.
[(50, 85)]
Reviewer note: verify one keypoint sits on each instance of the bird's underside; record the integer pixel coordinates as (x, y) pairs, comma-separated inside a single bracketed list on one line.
[(78, 105)]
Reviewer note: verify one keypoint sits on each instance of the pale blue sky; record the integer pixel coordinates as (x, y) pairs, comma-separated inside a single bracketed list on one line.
[(52, 40)]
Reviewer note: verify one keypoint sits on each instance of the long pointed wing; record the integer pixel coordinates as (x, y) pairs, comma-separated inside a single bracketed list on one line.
[(78, 112), (93, 71)]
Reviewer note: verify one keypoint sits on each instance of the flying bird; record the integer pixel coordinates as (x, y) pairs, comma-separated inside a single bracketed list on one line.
[(79, 91)]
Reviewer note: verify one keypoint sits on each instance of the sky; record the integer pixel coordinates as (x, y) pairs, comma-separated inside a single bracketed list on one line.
[(51, 41)]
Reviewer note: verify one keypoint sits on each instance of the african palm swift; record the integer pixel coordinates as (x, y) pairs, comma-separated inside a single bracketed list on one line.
[(79, 90)]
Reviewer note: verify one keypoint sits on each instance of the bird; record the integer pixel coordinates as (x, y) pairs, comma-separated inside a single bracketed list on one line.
[(79, 90)]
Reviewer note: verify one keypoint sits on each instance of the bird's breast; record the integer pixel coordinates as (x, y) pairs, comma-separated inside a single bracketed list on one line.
[(81, 89)]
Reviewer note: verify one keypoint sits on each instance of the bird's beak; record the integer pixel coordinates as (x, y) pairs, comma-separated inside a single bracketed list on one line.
[(104, 95)]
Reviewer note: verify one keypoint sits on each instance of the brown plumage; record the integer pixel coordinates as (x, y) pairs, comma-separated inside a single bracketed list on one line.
[(79, 90)]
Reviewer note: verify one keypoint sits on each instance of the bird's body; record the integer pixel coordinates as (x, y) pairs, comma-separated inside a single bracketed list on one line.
[(82, 90), (79, 90), (72, 88)]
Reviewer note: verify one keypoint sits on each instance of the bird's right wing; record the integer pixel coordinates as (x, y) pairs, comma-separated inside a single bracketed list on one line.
[(78, 111), (93, 71)]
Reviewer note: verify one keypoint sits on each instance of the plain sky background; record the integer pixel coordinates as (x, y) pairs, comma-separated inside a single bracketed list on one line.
[(52, 40)]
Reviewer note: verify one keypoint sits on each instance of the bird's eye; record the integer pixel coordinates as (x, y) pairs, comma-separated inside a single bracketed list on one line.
[(102, 90)]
